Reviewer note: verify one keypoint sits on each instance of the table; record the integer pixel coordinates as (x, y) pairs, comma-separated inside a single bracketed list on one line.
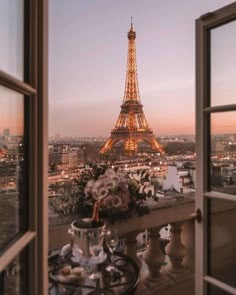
[(123, 284)]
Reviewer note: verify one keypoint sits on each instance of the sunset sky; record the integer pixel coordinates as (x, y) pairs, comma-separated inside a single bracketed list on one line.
[(11, 111), (88, 54)]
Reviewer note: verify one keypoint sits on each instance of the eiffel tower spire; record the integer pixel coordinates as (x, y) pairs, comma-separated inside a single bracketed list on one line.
[(131, 126), (131, 82)]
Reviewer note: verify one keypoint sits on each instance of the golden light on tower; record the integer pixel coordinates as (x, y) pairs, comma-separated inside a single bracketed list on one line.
[(131, 126)]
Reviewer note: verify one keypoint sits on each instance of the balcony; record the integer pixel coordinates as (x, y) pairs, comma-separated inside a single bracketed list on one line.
[(168, 273)]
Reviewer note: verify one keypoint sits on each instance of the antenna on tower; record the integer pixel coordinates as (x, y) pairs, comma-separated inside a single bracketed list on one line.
[(131, 22)]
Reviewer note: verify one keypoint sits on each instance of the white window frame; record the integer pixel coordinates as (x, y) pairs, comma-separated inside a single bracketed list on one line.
[(203, 25), (35, 88)]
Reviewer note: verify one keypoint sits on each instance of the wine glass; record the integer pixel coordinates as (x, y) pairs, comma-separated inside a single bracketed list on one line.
[(112, 241), (96, 250)]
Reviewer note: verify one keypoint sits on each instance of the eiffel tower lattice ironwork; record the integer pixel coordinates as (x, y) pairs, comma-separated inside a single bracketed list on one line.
[(131, 126)]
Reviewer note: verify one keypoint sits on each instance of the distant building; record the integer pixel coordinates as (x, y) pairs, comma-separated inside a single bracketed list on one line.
[(64, 156), (75, 157), (6, 132), (223, 174), (218, 146), (57, 136), (180, 179)]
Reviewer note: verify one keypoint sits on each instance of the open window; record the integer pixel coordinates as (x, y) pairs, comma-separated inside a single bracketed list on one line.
[(216, 152), (23, 147)]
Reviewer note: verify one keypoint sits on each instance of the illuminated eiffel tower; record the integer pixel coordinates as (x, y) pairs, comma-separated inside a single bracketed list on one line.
[(131, 126)]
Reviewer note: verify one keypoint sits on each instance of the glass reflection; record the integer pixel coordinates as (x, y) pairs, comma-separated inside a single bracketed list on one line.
[(223, 64), (12, 196), (213, 290), (222, 240), (13, 279), (12, 37), (223, 152)]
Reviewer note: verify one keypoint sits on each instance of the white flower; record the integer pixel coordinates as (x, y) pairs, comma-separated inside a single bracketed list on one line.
[(89, 186), (110, 172), (110, 183), (112, 201), (112, 175), (116, 201), (102, 192), (99, 191)]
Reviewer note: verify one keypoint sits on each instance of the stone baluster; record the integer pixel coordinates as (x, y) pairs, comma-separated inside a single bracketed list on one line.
[(176, 252), (131, 247), (154, 258)]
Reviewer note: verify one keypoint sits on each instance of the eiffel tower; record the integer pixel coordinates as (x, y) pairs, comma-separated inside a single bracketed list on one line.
[(131, 126)]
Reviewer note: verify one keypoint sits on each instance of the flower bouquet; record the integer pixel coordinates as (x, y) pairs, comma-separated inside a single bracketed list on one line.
[(104, 193)]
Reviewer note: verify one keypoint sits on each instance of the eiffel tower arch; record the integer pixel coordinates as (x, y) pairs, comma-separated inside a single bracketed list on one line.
[(131, 126)]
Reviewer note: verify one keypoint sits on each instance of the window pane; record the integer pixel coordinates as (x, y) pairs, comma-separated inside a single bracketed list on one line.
[(13, 280), (12, 196), (223, 64), (213, 290), (11, 36), (222, 240), (223, 152)]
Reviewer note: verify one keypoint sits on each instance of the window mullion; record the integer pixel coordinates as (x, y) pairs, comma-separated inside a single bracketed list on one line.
[(16, 248), (15, 84), (221, 108), (219, 195), (220, 284), (42, 121)]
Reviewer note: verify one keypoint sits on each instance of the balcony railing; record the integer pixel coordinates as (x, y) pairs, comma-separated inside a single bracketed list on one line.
[(168, 273)]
